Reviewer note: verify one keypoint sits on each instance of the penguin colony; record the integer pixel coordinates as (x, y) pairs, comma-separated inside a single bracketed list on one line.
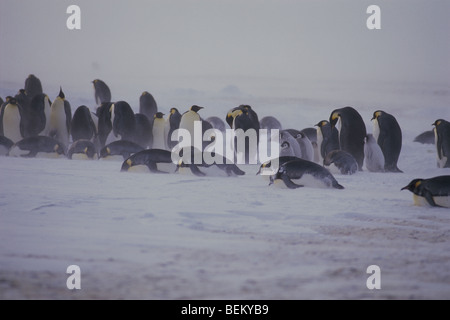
[(32, 125)]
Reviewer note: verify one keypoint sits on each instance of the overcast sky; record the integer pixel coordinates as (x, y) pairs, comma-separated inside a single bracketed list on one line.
[(126, 41)]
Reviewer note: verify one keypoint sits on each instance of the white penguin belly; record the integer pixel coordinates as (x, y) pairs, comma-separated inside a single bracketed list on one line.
[(440, 201), (166, 167), (58, 124), (11, 123), (117, 158), (159, 139), (309, 180), (17, 152), (83, 156), (139, 169), (49, 155), (376, 129)]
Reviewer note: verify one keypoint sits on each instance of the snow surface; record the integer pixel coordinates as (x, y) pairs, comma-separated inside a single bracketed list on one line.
[(146, 236)]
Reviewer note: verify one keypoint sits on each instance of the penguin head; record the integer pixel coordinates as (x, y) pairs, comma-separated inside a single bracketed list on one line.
[(61, 94), (195, 108), (173, 111), (11, 101), (285, 145), (377, 114), (322, 123), (265, 165), (159, 115), (437, 122), (413, 186), (334, 118), (145, 93)]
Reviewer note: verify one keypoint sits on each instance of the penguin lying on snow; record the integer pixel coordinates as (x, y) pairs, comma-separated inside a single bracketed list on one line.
[(302, 171), (38, 146), (122, 149), (434, 191), (153, 160), (344, 161), (218, 167), (82, 150)]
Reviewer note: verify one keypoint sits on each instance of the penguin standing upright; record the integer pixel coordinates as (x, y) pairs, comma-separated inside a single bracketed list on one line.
[(143, 133), (2, 109), (442, 140), (172, 124), (102, 93), (104, 124), (352, 132), (245, 118), (327, 139), (33, 86), (60, 119), (373, 155), (82, 126), (123, 121), (12, 121), (38, 118), (188, 120), (158, 130), (147, 105), (388, 134)]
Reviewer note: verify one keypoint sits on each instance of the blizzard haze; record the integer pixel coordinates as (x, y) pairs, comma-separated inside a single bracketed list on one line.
[(207, 45)]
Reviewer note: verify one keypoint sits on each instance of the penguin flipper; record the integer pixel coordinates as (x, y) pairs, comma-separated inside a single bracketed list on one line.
[(288, 182), (430, 199)]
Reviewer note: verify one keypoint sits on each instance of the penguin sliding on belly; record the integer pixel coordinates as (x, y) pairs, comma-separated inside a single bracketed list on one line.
[(121, 149), (306, 173), (82, 150), (151, 160), (433, 192), (39, 147)]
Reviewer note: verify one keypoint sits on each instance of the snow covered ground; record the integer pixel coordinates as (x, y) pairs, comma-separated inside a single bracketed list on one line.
[(144, 236)]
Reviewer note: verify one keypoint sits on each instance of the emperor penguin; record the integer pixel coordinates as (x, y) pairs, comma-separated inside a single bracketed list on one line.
[(270, 123), (373, 155), (12, 121), (36, 122), (2, 109), (433, 192), (327, 139), (188, 120), (306, 173), (104, 124), (246, 119), (352, 131), (388, 134), (102, 93), (158, 131), (172, 124), (442, 140), (289, 145), (217, 123), (143, 134), (33, 86), (123, 121), (147, 105), (60, 119), (82, 126)]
